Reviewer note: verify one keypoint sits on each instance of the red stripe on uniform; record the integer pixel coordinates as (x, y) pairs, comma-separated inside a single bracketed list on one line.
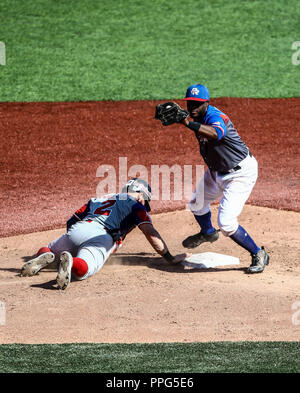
[(80, 267), (81, 210), (143, 216), (225, 118), (43, 250), (194, 99)]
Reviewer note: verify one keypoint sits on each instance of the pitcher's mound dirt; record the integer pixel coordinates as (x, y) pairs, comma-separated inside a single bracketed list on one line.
[(137, 297)]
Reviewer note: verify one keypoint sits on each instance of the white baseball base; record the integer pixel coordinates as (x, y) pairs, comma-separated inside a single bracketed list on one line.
[(209, 259)]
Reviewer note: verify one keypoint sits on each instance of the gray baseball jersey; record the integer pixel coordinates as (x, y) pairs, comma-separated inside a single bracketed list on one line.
[(228, 150)]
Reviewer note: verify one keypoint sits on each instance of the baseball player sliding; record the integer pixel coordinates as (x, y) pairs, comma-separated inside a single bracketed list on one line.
[(96, 230), (231, 174)]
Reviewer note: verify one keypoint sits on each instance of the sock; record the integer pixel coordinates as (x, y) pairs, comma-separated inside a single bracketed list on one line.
[(80, 267), (243, 239), (42, 251), (205, 223)]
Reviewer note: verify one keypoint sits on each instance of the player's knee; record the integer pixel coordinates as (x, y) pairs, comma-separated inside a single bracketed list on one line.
[(198, 210), (227, 225)]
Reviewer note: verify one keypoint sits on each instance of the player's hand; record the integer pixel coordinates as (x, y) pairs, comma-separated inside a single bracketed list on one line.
[(185, 122), (179, 258)]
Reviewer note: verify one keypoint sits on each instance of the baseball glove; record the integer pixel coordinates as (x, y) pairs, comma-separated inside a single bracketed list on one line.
[(170, 113)]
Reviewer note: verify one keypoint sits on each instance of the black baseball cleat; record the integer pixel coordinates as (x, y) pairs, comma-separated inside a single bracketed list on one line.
[(195, 240), (259, 261)]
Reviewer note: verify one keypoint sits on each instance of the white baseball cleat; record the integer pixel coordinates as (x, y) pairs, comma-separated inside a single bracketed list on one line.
[(33, 266), (63, 278)]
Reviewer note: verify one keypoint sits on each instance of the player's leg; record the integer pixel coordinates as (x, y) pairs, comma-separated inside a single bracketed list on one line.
[(78, 234), (63, 243), (46, 255), (206, 192), (237, 189), (90, 258)]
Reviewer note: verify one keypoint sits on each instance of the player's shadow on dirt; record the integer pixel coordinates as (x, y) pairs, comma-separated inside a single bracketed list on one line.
[(11, 269), (46, 285), (27, 258), (138, 259), (152, 261)]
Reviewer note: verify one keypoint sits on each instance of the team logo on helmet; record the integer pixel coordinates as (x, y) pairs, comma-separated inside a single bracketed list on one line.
[(194, 91)]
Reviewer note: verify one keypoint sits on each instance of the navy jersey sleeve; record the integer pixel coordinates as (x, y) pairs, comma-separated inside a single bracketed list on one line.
[(140, 215), (79, 215)]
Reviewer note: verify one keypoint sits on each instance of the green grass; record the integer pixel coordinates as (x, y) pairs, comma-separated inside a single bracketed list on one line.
[(219, 357), (71, 50)]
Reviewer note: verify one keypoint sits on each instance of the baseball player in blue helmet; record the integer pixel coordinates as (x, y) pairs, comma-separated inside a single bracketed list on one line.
[(231, 174)]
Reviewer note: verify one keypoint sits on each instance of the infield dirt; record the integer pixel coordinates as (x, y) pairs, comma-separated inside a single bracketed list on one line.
[(137, 297)]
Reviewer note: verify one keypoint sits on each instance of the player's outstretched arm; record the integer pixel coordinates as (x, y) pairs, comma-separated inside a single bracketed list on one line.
[(200, 129), (159, 245)]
